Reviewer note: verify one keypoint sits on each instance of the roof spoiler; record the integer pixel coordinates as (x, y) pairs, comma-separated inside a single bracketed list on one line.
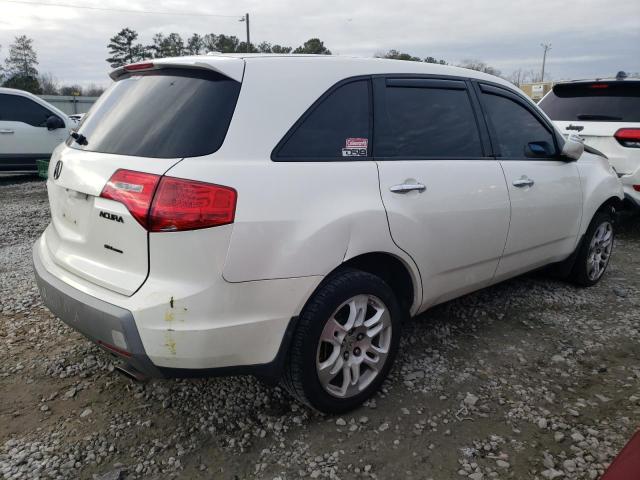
[(231, 67)]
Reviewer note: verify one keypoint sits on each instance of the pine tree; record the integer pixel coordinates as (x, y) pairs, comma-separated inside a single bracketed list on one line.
[(313, 46), (22, 59), (123, 50)]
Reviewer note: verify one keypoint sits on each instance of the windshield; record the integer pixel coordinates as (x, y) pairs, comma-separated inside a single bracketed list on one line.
[(594, 102), (166, 113)]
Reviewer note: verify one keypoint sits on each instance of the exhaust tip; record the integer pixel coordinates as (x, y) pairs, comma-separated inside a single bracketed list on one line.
[(131, 373)]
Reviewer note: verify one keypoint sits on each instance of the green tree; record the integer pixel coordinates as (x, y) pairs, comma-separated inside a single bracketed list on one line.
[(29, 84), (264, 47), (435, 60), (124, 50), (479, 66), (280, 49), (22, 59), (195, 45), (242, 48), (396, 55), (221, 43), (313, 46), (167, 46)]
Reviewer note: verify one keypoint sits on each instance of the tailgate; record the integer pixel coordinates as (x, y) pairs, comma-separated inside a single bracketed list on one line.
[(95, 238), (600, 135)]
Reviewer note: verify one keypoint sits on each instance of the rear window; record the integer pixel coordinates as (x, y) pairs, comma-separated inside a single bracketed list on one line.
[(595, 102), (166, 113)]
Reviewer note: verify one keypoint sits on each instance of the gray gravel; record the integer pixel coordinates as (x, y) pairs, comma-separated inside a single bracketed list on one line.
[(532, 378)]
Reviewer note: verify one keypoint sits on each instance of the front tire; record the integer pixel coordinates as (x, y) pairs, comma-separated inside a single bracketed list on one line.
[(595, 251), (345, 342)]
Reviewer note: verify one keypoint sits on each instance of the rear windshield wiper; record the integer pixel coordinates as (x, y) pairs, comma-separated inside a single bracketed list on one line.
[(586, 116), (79, 138)]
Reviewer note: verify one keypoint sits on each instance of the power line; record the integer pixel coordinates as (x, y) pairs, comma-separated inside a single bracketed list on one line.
[(121, 10)]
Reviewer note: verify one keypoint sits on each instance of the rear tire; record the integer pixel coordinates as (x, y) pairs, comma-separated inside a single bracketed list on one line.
[(595, 251), (345, 342)]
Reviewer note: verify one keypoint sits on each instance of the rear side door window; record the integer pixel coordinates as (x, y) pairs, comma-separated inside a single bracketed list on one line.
[(336, 128), (515, 129), (426, 119), (15, 108)]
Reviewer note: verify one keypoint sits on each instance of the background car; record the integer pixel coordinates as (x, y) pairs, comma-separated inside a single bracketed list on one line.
[(606, 113), (30, 129)]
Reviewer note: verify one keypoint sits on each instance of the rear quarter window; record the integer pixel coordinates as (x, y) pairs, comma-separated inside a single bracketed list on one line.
[(165, 113), (337, 127), (595, 102)]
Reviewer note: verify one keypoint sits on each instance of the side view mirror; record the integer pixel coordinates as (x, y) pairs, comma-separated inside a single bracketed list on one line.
[(539, 150), (54, 122), (573, 147)]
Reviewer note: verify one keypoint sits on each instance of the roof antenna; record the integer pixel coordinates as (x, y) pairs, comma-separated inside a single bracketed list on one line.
[(621, 75)]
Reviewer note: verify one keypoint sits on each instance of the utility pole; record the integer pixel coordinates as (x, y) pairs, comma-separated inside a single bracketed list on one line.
[(246, 20), (547, 47)]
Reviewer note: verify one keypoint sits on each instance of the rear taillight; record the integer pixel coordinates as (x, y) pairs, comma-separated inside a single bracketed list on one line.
[(188, 205), (628, 137), (636, 188), (168, 204), (133, 189)]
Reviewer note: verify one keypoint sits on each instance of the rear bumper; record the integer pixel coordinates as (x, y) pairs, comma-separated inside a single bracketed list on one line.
[(105, 324), (223, 329)]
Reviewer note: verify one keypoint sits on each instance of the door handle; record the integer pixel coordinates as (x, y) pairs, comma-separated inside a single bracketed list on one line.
[(523, 181), (4, 130), (408, 187)]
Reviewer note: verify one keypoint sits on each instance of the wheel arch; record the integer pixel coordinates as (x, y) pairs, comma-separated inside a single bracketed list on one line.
[(401, 277)]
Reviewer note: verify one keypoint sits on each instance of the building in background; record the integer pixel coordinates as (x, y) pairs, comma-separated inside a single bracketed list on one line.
[(70, 104), (536, 90)]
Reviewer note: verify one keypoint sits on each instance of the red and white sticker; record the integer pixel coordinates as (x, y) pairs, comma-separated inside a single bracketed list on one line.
[(355, 147), (356, 143)]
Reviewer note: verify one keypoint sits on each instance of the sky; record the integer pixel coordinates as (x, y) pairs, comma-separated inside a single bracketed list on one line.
[(589, 38)]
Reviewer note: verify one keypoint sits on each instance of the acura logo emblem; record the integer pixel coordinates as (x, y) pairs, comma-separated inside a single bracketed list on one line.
[(58, 170)]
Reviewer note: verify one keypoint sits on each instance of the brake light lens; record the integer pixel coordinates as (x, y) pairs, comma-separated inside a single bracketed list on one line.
[(598, 85), (138, 66), (168, 204), (628, 137), (636, 188), (133, 189), (188, 205)]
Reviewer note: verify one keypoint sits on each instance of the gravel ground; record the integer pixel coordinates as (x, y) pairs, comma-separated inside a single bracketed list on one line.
[(533, 378)]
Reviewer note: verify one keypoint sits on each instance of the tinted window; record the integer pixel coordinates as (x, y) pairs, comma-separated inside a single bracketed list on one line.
[(167, 113), (596, 102), (428, 123), (14, 108), (338, 128), (515, 127)]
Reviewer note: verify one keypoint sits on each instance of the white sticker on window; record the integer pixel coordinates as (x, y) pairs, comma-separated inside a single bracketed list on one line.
[(355, 147)]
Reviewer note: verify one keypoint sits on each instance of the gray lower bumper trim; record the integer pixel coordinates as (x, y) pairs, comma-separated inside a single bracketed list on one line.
[(98, 320)]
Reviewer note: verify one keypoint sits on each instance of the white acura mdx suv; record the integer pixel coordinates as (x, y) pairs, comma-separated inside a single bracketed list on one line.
[(281, 215)]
